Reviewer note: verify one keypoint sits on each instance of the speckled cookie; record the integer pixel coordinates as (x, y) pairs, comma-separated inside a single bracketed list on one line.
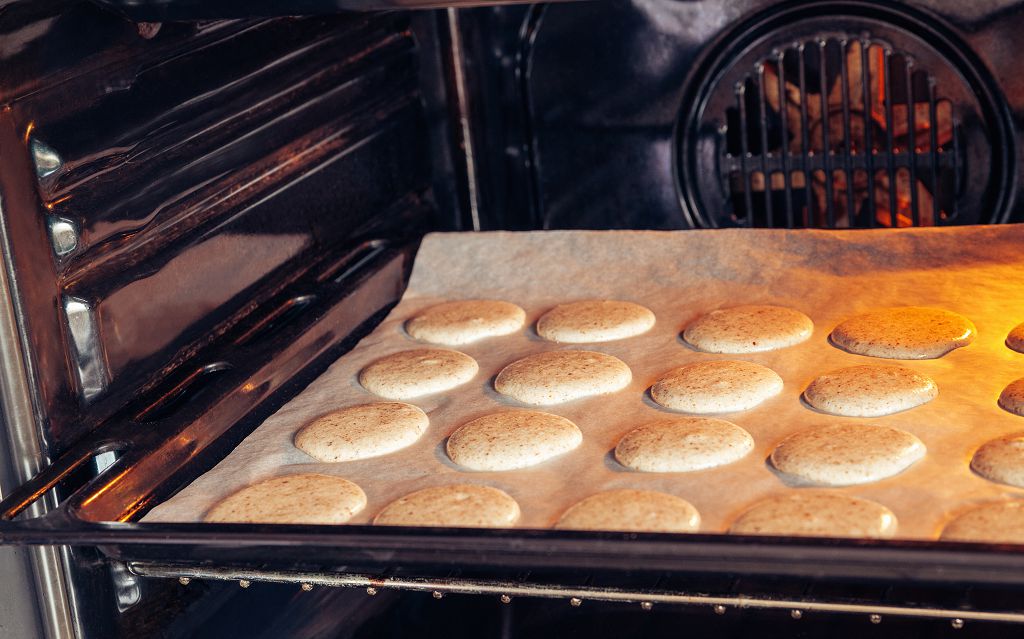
[(1015, 340), (814, 514), (458, 506), (1012, 397), (997, 522), (748, 329), (721, 386), (846, 454), (555, 377), (594, 321), (1001, 460), (358, 432), (465, 322), (306, 498), (683, 444), (421, 371), (512, 439), (631, 510), (870, 390), (908, 332)]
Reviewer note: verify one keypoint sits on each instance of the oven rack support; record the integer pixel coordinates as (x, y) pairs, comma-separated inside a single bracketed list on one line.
[(575, 595)]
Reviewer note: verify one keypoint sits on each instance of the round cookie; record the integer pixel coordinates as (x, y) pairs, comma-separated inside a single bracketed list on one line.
[(1001, 460), (555, 377), (594, 321), (721, 386), (512, 439), (748, 329), (457, 506), (870, 390), (683, 444), (998, 522), (465, 322), (631, 510), (306, 498), (1012, 397), (421, 371), (908, 332), (1015, 340), (817, 515), (358, 432), (846, 454)]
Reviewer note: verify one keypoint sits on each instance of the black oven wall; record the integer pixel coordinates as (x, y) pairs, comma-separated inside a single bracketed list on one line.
[(580, 111), (163, 184)]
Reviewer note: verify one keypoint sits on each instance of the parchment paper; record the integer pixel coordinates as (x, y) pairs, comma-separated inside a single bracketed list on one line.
[(830, 275)]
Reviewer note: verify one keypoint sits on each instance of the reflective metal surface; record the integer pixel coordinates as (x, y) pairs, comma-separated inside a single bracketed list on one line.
[(86, 350), (576, 596), (185, 174), (64, 235), (46, 160)]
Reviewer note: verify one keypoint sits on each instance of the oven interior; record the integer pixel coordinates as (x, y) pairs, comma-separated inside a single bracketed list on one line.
[(205, 204)]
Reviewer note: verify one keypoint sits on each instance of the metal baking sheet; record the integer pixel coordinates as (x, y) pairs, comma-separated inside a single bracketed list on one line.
[(830, 275)]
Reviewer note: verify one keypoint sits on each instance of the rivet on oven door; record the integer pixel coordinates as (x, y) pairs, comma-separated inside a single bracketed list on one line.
[(875, 618), (47, 160), (307, 587), (505, 599), (646, 605), (796, 614), (371, 591), (575, 602), (244, 583), (957, 623), (437, 594), (719, 609), (184, 581)]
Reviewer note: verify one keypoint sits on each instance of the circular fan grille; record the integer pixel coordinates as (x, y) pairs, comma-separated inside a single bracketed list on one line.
[(840, 116)]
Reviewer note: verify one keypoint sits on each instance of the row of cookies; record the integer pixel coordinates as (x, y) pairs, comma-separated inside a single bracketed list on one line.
[(910, 332), (310, 498), (835, 454), (717, 386)]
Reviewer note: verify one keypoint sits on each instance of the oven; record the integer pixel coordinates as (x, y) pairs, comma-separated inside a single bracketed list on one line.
[(204, 204)]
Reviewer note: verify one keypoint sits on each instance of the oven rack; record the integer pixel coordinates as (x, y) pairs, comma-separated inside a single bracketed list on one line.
[(576, 596)]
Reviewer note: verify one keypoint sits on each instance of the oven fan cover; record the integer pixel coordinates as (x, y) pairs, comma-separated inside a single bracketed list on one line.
[(842, 115)]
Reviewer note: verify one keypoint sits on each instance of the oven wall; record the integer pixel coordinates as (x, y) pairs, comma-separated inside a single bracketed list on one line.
[(576, 104), (163, 179), (158, 183)]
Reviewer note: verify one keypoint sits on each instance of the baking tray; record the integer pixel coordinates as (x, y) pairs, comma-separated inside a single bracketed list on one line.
[(679, 276), (875, 260)]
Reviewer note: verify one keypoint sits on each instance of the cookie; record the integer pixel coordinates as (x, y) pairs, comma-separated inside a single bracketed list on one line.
[(594, 321), (631, 510), (465, 322), (871, 390), (721, 386), (419, 372), (817, 514), (748, 329), (997, 522), (683, 444), (456, 506), (512, 439), (555, 377), (359, 432), (908, 332), (305, 498), (846, 454)]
